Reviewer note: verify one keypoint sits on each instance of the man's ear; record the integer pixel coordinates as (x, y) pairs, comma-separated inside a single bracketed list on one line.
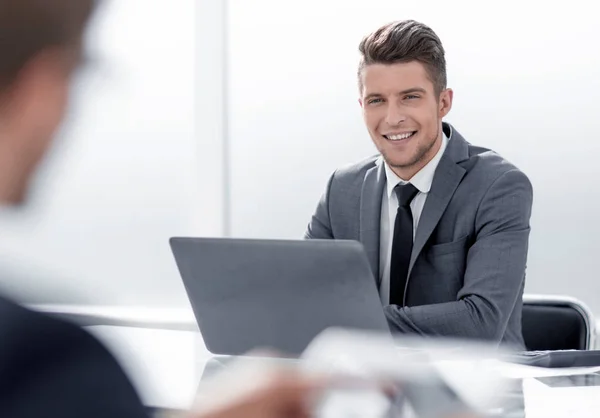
[(445, 102), (43, 76)]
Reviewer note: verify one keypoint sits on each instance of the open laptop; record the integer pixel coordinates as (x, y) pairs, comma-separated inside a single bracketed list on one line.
[(277, 294)]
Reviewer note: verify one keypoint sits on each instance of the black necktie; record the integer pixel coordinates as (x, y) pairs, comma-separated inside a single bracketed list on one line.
[(402, 243)]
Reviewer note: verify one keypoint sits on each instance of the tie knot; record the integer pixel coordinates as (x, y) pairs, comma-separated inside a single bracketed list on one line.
[(405, 193)]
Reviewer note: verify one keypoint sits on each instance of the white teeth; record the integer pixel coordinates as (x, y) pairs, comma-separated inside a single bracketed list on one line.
[(399, 137)]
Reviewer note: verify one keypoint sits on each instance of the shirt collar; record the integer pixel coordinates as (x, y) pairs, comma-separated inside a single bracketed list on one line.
[(423, 179)]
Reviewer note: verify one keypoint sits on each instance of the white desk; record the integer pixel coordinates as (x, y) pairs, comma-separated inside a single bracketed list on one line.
[(140, 317), (164, 355), (155, 318), (166, 366)]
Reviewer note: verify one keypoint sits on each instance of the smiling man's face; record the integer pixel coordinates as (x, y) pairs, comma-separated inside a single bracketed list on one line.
[(403, 114)]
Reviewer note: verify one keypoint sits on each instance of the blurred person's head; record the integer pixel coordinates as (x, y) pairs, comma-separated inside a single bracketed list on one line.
[(403, 93), (40, 49)]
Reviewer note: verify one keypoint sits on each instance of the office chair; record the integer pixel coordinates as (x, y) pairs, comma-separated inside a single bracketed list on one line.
[(557, 323)]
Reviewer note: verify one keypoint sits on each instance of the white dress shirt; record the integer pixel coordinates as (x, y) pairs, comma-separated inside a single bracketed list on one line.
[(389, 206)]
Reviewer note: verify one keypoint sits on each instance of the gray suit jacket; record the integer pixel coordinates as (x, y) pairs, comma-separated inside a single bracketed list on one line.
[(467, 268)]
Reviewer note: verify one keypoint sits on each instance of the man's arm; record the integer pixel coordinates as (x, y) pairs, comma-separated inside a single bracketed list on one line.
[(494, 274), (320, 225)]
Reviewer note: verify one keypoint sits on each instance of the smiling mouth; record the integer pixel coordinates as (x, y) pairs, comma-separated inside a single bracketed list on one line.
[(400, 137)]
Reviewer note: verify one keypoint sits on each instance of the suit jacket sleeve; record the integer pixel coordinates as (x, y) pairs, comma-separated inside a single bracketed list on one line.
[(495, 270), (50, 368), (320, 224)]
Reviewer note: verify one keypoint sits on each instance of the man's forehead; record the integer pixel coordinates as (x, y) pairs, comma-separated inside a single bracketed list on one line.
[(394, 78), (399, 71)]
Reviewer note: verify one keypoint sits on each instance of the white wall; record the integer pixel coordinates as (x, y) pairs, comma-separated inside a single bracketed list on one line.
[(525, 76), (151, 153), (128, 171)]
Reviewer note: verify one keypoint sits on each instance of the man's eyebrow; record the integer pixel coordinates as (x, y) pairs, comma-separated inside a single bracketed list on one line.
[(372, 96), (403, 92), (413, 90)]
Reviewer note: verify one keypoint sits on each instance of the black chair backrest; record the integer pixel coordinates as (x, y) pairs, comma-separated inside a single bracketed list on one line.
[(554, 327)]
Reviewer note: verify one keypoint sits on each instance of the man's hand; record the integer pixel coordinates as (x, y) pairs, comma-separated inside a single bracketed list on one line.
[(283, 394), (258, 388)]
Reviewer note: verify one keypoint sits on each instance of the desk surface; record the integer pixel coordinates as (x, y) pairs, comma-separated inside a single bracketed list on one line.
[(154, 318), (166, 366)]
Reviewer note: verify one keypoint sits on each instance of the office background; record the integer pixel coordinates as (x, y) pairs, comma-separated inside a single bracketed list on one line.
[(226, 119)]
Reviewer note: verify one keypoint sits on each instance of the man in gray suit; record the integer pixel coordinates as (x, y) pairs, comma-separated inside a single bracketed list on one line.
[(445, 223)]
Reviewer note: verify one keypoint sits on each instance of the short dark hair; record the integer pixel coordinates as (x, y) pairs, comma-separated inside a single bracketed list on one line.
[(28, 27), (405, 41)]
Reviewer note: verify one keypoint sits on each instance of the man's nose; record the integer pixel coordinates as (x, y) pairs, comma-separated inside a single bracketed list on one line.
[(395, 115)]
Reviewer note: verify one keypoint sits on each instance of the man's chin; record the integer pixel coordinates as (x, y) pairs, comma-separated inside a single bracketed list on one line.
[(15, 202), (399, 163), (17, 198)]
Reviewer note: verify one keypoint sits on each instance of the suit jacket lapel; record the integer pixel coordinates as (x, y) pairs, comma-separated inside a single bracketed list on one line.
[(448, 176), (370, 214)]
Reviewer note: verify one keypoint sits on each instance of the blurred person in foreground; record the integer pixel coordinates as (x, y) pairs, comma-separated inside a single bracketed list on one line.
[(50, 368)]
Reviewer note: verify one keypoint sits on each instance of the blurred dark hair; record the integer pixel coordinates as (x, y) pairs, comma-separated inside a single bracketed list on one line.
[(29, 27)]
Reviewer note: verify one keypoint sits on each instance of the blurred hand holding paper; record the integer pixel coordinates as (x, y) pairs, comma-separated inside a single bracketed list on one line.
[(371, 375), (436, 378)]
